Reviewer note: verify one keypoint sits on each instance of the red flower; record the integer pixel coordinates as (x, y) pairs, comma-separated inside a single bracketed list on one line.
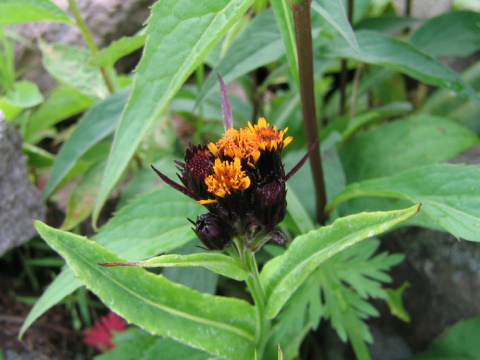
[(100, 335)]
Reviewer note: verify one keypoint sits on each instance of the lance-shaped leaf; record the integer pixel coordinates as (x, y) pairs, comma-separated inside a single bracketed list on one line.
[(165, 65), (284, 18), (382, 50), (149, 225), (450, 195), (219, 263), (284, 274), (219, 325), (116, 50), (98, 123), (22, 11)]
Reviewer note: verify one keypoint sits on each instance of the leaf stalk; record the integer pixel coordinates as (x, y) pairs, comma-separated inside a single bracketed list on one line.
[(87, 35), (303, 34)]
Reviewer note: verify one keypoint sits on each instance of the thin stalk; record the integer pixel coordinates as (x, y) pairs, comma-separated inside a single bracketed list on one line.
[(257, 291), (303, 34), (87, 35), (344, 68)]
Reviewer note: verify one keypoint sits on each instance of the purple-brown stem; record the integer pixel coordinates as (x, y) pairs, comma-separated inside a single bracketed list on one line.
[(303, 33)]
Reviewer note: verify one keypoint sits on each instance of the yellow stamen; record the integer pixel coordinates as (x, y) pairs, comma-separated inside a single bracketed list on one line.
[(238, 143), (227, 177), (269, 138)]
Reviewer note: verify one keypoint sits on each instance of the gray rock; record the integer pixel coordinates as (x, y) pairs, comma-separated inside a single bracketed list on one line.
[(108, 20), (20, 201)]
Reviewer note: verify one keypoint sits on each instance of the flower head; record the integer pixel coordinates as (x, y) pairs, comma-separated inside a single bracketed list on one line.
[(241, 181), (100, 335)]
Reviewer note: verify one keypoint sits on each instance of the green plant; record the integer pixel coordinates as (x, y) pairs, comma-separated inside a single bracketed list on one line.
[(382, 150)]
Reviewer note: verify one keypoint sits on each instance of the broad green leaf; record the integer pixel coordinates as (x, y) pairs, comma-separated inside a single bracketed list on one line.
[(298, 213), (382, 50), (333, 11), (404, 144), (196, 278), (283, 275), (219, 263), (459, 342), (131, 343), (461, 39), (63, 103), (69, 65), (387, 24), (219, 325), (97, 124), (116, 50), (259, 44), (444, 103), (151, 224), (82, 199), (450, 195), (25, 95), (21, 11), (165, 65), (138, 344), (284, 18)]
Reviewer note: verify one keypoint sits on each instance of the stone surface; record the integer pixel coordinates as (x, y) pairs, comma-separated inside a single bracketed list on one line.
[(20, 201), (108, 20)]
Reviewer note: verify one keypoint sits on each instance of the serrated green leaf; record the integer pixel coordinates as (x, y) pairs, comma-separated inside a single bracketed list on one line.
[(130, 344), (450, 195), (25, 95), (151, 224), (116, 50), (62, 103), (460, 341), (97, 124), (461, 39), (382, 50), (158, 305), (404, 144), (286, 273), (165, 65), (259, 44), (219, 263), (69, 65), (333, 11), (137, 344), (21, 11), (395, 302)]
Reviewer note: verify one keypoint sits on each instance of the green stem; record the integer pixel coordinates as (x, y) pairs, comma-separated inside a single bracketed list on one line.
[(303, 32), (257, 291), (87, 35)]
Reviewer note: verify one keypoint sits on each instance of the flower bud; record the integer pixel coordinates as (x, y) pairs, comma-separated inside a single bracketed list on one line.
[(271, 204), (213, 232)]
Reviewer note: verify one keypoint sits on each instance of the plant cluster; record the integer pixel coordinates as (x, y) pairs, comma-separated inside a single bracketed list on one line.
[(338, 76)]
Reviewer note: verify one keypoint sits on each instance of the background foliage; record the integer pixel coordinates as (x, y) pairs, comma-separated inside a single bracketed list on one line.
[(384, 150)]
